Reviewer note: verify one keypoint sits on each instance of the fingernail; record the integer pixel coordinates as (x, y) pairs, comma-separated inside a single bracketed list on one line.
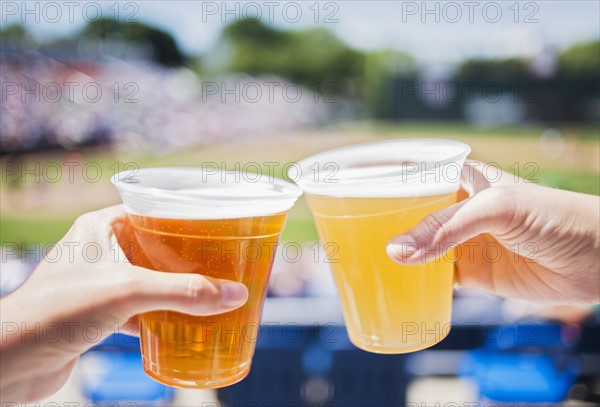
[(402, 248), (233, 294)]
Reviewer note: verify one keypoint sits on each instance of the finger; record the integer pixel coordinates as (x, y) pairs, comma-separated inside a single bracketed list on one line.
[(111, 230), (473, 179), (98, 225), (183, 292), (132, 326), (489, 211), (477, 176)]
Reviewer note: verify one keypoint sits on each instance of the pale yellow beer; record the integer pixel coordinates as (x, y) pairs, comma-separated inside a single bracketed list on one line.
[(390, 308), (363, 195)]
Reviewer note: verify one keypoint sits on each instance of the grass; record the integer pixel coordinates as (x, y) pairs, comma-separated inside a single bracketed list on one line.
[(300, 230), (578, 181), (30, 232)]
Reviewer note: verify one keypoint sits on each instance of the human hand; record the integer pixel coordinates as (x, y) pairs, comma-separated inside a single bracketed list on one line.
[(79, 293), (517, 240)]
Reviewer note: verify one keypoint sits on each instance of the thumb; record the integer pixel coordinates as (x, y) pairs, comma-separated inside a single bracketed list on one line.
[(149, 290), (183, 292), (489, 211)]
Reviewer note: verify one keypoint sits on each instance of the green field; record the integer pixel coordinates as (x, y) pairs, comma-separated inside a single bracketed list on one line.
[(32, 214)]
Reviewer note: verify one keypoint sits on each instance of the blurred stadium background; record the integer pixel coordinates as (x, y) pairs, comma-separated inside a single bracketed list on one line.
[(204, 83)]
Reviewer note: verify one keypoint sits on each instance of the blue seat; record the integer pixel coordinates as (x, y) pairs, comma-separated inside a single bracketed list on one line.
[(524, 363), (112, 373)]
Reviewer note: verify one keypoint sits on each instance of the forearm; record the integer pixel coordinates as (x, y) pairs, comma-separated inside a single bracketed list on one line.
[(16, 367), (26, 356)]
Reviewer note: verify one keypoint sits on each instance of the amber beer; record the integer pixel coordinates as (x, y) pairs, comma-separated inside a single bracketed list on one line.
[(199, 233), (361, 197)]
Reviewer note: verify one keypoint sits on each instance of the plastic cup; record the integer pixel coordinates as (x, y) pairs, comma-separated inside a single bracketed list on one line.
[(222, 224), (360, 197)]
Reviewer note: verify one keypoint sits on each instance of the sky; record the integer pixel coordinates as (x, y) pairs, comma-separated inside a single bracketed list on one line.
[(433, 32)]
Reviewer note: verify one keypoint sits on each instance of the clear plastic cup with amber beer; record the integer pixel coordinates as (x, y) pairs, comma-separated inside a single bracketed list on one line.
[(360, 197), (222, 224)]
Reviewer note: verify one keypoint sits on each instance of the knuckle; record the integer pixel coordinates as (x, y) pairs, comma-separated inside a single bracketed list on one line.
[(500, 196), (89, 228), (434, 225), (83, 220), (198, 289), (501, 205), (84, 227)]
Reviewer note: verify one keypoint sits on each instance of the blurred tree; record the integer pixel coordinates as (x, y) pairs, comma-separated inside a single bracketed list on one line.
[(14, 37), (382, 70), (164, 48), (13, 31), (493, 70), (570, 94), (579, 87), (311, 57), (581, 60)]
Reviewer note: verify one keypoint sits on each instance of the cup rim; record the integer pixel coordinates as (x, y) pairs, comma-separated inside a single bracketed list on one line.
[(466, 150), (289, 191), (386, 168)]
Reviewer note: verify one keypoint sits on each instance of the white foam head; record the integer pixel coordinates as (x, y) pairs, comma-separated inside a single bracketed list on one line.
[(199, 193), (384, 169)]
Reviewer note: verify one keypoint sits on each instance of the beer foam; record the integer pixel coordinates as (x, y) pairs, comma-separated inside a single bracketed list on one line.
[(198, 193), (385, 169)]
